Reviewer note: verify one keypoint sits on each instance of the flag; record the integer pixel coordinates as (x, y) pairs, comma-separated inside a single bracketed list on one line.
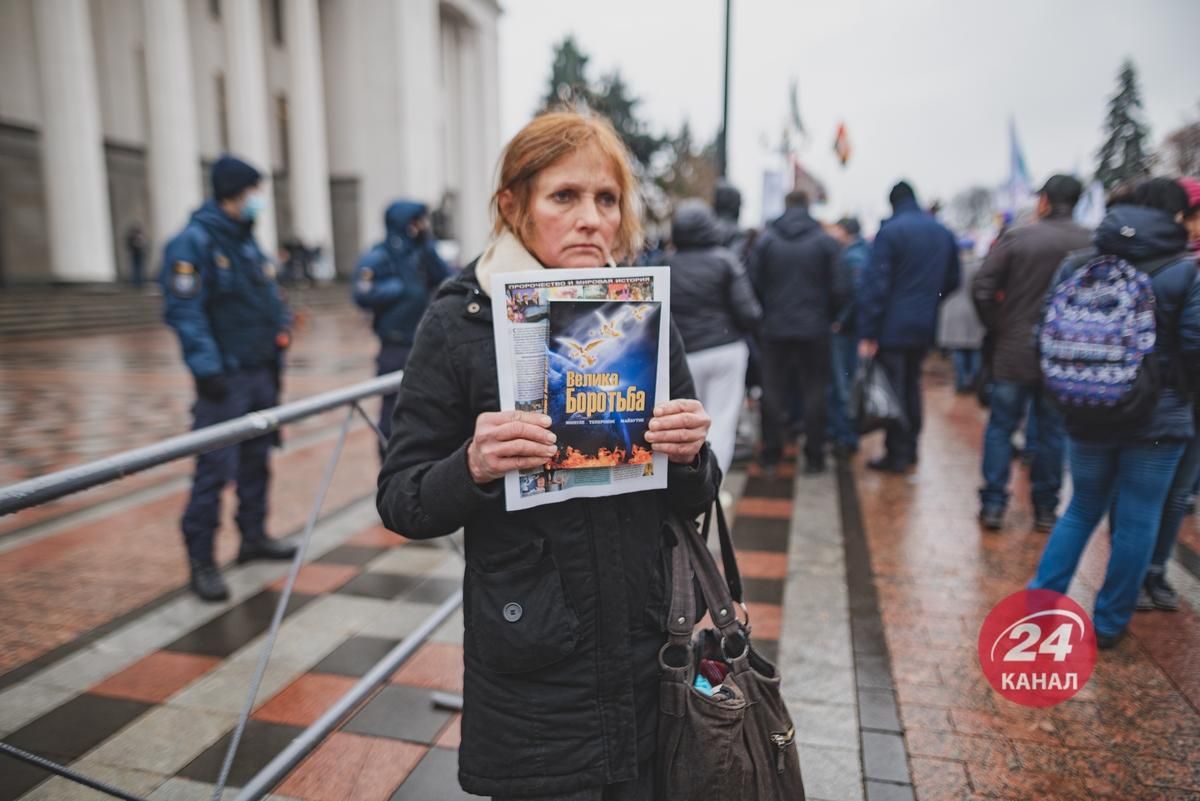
[(841, 144), (794, 102), (1020, 187), (1089, 211)]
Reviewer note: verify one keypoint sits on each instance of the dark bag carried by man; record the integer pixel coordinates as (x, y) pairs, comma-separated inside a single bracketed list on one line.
[(724, 731), (873, 399)]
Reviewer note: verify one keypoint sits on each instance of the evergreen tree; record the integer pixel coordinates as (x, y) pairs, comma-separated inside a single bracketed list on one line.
[(568, 77), (1123, 156), (569, 86)]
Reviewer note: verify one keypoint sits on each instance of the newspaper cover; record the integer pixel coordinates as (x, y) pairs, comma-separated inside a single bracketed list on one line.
[(589, 348)]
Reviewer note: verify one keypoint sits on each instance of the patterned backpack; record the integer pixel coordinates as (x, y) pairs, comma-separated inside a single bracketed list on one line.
[(1097, 344)]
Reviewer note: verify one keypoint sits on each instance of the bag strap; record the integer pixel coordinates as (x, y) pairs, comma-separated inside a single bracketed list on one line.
[(1154, 266), (682, 616), (733, 576), (714, 589)]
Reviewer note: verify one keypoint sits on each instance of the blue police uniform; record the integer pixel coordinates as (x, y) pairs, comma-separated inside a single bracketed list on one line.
[(222, 300), (395, 281)]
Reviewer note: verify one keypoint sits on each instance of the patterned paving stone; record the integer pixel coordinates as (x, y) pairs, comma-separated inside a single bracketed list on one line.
[(356, 656), (157, 677), (316, 579), (260, 744), (305, 699), (402, 713), (437, 666), (351, 766)]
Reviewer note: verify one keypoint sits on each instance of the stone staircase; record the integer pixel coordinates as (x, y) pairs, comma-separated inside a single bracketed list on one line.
[(46, 312)]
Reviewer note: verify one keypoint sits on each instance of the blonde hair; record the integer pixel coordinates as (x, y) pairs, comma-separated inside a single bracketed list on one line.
[(542, 142)]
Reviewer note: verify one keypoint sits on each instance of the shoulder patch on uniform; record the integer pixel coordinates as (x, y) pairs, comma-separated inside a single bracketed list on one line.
[(365, 278), (221, 260), (184, 281)]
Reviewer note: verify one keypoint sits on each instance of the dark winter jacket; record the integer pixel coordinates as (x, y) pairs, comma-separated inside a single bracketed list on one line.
[(792, 268), (914, 264), (712, 300), (1144, 237), (220, 295), (566, 698), (395, 280), (850, 267), (1010, 291)]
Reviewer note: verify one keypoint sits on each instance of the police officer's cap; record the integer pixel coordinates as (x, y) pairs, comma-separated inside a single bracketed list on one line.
[(232, 176)]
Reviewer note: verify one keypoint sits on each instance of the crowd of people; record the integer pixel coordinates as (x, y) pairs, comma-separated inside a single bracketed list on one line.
[(1116, 407), (1090, 341)]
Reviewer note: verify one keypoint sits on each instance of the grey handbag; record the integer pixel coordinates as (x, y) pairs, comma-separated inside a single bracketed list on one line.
[(737, 744)]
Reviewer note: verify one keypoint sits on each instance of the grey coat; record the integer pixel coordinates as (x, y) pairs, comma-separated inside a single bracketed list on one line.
[(960, 327)]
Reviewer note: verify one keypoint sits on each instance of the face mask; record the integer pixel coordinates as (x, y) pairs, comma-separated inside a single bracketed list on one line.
[(252, 207)]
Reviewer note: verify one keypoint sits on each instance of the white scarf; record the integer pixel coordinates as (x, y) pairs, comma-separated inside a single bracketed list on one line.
[(506, 254)]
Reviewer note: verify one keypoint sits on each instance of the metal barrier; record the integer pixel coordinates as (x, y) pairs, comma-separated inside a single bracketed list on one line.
[(50, 487)]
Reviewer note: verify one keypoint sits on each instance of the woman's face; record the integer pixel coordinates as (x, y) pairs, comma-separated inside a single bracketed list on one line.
[(575, 211)]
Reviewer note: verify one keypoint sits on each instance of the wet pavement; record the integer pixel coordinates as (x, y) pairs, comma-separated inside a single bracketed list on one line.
[(868, 589)]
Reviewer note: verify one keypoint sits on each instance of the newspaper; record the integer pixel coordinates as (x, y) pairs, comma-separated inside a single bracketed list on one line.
[(589, 348)]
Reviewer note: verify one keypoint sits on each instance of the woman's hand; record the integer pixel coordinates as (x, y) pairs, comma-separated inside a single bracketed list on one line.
[(509, 441), (679, 429)]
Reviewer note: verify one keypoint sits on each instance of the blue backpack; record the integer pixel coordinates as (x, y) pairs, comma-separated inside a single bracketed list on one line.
[(1097, 344)]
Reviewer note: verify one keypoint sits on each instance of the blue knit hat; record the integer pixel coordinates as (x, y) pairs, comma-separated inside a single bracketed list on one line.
[(232, 176)]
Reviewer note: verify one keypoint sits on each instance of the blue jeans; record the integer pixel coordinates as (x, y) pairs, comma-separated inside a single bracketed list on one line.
[(1175, 509), (844, 352), (1008, 404), (966, 367), (1136, 478)]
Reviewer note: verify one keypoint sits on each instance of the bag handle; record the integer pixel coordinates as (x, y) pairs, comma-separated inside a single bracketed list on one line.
[(682, 616), (712, 587), (733, 576)]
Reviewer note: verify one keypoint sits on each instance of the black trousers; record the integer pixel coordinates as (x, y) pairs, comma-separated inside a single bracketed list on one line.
[(792, 366), (903, 369), (392, 357)]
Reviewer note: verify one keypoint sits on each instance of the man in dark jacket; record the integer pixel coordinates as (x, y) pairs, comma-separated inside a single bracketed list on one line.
[(1010, 292), (792, 267), (395, 281), (914, 264), (714, 307), (220, 296), (844, 343)]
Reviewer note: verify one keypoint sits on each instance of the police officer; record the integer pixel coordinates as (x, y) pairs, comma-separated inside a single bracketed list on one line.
[(222, 300), (395, 281)]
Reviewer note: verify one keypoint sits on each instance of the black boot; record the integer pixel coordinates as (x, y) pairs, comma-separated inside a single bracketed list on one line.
[(207, 582), (264, 548)]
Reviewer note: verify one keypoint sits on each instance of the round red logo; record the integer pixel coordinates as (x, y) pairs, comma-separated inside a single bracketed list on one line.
[(1037, 647)]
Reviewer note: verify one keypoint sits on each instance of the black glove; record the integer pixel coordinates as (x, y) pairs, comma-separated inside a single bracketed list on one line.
[(212, 388)]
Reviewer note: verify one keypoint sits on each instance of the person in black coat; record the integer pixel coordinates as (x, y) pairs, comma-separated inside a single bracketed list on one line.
[(565, 604), (793, 269), (714, 306)]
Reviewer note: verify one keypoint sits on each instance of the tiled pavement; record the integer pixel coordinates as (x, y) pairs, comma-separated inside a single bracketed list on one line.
[(869, 590)]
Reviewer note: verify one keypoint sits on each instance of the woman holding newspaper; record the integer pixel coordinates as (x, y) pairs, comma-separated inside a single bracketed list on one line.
[(565, 603)]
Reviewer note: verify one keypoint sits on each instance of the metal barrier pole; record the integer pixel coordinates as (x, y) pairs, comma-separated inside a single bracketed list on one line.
[(24, 494), (266, 779), (284, 597)]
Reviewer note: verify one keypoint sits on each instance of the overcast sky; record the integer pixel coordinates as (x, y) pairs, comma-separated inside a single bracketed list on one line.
[(925, 87)]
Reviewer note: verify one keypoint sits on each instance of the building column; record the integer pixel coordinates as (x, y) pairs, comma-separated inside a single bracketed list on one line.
[(173, 149), (472, 154), (76, 178), (419, 23), (309, 166), (246, 88)]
